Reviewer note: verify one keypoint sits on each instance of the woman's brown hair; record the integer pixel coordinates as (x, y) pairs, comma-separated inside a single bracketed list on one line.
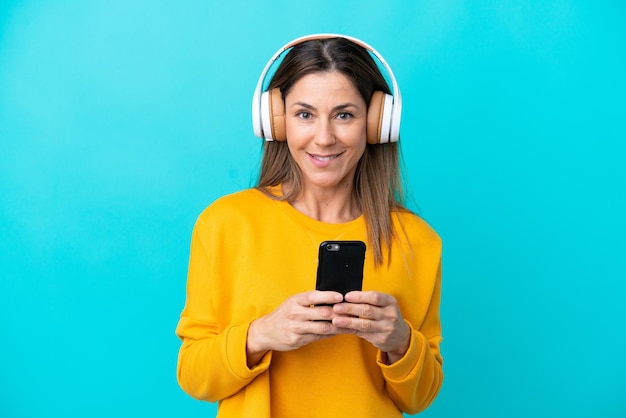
[(377, 182)]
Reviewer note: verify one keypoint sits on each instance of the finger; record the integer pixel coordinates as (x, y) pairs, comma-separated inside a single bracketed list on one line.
[(320, 313), (326, 328), (318, 297), (355, 324), (323, 328), (370, 297), (362, 310)]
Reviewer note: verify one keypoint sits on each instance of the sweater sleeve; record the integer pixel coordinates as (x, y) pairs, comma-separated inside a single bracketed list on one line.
[(413, 382), (212, 363)]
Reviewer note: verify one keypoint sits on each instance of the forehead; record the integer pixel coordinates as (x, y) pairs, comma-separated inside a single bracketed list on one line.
[(323, 84)]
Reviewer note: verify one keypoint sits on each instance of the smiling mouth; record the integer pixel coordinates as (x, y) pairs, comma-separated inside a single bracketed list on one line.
[(325, 157)]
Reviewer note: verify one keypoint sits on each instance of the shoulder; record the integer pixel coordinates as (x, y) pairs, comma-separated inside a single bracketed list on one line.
[(248, 203), (238, 199), (415, 229)]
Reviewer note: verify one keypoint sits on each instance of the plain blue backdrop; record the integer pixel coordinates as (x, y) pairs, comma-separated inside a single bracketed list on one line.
[(121, 120)]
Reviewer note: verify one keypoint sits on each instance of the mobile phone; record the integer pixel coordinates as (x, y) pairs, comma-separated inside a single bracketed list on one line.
[(340, 266)]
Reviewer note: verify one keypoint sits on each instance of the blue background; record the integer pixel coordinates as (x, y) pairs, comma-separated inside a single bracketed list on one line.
[(121, 120)]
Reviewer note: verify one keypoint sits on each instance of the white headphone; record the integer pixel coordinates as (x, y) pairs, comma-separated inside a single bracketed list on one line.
[(383, 115)]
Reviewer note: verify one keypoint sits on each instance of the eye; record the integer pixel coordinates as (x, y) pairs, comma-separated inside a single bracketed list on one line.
[(344, 116), (304, 115)]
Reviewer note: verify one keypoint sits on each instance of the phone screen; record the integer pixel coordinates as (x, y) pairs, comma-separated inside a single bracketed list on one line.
[(340, 266)]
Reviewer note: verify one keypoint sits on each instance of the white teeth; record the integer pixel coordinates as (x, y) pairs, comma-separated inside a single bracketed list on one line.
[(331, 157)]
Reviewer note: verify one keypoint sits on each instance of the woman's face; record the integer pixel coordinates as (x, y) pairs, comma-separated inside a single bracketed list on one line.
[(325, 118)]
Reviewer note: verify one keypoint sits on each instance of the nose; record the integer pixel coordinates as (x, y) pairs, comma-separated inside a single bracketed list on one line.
[(324, 134)]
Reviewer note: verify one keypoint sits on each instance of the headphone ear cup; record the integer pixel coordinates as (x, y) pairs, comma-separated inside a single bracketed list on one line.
[(374, 117), (266, 120), (277, 113), (273, 116), (379, 118)]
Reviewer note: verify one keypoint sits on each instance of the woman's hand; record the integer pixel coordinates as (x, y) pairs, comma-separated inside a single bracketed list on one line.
[(375, 317), (295, 323)]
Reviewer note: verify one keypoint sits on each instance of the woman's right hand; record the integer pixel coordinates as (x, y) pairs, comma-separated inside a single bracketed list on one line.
[(295, 323)]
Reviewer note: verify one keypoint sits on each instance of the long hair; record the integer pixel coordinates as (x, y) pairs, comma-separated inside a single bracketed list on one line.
[(377, 182)]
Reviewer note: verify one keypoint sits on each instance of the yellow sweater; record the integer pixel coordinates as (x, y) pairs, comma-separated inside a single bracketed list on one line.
[(248, 254)]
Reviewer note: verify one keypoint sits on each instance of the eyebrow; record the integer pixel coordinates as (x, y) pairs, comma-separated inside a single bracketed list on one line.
[(342, 106)]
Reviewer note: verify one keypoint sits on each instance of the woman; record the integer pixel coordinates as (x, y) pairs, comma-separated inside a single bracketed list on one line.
[(255, 335)]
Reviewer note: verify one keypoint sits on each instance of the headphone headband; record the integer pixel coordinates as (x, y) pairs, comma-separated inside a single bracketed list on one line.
[(396, 107)]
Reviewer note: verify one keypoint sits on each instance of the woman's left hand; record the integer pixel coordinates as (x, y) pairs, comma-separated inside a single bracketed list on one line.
[(375, 317)]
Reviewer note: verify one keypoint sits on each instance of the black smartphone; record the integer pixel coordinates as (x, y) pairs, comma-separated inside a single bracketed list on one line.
[(340, 266)]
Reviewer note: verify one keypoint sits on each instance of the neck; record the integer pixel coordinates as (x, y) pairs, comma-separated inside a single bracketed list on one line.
[(335, 206)]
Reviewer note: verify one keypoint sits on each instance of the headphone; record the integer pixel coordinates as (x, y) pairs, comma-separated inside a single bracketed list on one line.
[(383, 113)]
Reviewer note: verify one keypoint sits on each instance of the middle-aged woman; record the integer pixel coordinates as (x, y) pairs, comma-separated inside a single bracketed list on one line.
[(255, 335)]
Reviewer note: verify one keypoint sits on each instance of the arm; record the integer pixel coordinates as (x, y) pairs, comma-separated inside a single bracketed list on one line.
[(409, 358), (413, 382), (212, 363)]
